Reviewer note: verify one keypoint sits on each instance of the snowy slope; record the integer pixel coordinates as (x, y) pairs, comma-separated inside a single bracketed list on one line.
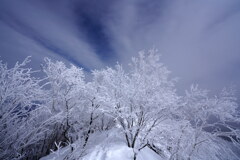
[(111, 146), (112, 152), (106, 147), (120, 152)]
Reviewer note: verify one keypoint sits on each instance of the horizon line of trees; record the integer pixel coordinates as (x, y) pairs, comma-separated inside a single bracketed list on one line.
[(40, 114)]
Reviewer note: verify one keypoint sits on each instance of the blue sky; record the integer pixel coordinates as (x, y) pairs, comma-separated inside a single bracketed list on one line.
[(199, 41)]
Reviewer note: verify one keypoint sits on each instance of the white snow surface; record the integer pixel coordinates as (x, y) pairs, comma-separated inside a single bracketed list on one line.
[(107, 147), (120, 152), (112, 152)]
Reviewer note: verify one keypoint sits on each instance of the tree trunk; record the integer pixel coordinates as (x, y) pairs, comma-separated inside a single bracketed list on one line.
[(134, 156), (89, 130)]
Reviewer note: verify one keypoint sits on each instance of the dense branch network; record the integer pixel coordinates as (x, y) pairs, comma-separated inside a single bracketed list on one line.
[(39, 115)]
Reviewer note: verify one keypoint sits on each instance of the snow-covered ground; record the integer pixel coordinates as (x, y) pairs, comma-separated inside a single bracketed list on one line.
[(120, 152), (105, 147), (112, 152), (110, 145)]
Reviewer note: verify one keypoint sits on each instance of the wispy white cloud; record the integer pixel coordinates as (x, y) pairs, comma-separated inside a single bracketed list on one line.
[(51, 31), (198, 40)]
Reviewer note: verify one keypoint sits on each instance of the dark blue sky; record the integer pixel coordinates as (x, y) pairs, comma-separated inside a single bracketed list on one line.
[(199, 40)]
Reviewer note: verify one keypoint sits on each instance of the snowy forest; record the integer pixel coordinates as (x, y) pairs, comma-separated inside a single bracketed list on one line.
[(131, 110)]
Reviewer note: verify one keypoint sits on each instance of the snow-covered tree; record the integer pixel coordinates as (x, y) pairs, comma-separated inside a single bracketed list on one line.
[(138, 100), (72, 105), (20, 94), (204, 120), (140, 103), (66, 94)]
